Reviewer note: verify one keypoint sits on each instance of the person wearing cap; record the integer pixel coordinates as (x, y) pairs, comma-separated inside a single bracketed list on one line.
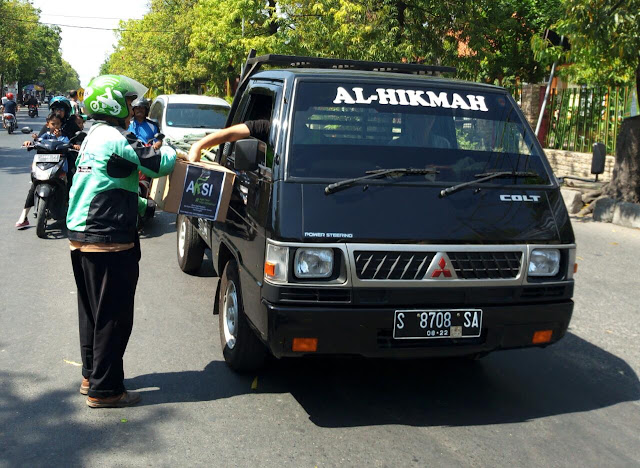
[(102, 231)]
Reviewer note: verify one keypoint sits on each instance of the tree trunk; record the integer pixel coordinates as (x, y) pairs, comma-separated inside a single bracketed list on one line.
[(273, 23), (625, 180), (638, 82)]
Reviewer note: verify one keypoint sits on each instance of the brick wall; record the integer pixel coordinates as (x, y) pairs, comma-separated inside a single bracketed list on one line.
[(571, 163)]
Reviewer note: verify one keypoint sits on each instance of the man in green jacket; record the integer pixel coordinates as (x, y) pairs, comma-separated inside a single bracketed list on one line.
[(101, 222)]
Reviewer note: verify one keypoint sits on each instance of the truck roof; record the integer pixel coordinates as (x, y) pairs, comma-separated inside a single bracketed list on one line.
[(337, 74)]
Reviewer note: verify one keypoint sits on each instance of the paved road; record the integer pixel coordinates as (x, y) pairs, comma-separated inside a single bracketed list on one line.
[(573, 404)]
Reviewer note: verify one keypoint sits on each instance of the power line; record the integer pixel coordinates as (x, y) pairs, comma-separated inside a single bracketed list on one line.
[(90, 27), (87, 17)]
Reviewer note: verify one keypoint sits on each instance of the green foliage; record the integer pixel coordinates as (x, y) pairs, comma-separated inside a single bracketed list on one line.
[(204, 42), (31, 51), (605, 40)]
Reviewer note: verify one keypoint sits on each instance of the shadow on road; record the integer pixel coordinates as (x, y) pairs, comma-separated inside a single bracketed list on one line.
[(162, 223), (43, 431), (16, 160), (574, 376), (515, 386)]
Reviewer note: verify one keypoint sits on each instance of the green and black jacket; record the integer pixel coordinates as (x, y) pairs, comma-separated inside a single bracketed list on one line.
[(103, 203)]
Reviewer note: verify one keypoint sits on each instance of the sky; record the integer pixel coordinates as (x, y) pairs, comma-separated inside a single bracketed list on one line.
[(86, 49)]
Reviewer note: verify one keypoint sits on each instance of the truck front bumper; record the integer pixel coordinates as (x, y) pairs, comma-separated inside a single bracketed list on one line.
[(369, 331)]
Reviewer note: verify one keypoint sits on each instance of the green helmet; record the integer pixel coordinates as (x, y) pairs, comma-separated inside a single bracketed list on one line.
[(107, 95)]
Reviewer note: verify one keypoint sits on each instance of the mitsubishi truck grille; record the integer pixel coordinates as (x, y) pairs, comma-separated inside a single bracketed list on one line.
[(380, 265), (486, 265), (392, 265)]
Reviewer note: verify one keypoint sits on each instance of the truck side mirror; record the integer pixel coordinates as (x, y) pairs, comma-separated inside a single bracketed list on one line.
[(26, 130), (599, 158), (249, 154)]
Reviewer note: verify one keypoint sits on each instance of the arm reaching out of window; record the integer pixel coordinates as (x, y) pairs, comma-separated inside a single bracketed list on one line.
[(226, 135)]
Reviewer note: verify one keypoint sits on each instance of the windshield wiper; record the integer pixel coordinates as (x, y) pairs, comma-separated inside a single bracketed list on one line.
[(483, 178), (375, 174)]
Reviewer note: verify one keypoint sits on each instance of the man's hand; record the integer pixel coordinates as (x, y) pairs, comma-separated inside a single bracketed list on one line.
[(195, 152), (76, 147), (56, 132), (34, 135), (157, 145), (27, 143)]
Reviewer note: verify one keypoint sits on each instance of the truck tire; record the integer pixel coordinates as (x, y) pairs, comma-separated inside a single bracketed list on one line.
[(190, 246), (41, 221), (242, 349)]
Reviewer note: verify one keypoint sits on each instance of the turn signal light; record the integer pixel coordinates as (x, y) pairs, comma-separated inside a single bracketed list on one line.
[(270, 269), (305, 345), (542, 336), (575, 268)]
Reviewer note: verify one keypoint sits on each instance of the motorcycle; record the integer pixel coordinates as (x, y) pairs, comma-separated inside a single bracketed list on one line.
[(33, 111), (49, 177), (10, 123), (144, 189)]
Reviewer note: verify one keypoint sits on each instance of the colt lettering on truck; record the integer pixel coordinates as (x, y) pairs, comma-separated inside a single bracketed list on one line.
[(392, 213)]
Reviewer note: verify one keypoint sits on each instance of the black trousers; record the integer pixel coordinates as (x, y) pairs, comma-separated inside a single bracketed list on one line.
[(29, 202), (106, 288)]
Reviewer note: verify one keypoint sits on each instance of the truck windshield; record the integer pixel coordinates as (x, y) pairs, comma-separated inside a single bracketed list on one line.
[(342, 131)]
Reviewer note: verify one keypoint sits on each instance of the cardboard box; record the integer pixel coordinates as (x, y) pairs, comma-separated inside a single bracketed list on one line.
[(201, 189)]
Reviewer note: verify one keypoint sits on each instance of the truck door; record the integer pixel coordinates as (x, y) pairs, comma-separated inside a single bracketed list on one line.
[(249, 208)]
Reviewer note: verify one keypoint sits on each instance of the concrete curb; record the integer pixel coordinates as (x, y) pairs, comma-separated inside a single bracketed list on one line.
[(609, 210)]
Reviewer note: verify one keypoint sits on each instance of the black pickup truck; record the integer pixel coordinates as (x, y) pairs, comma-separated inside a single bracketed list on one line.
[(391, 213)]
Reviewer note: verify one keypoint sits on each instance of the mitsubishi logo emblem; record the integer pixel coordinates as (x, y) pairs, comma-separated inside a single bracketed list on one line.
[(440, 268)]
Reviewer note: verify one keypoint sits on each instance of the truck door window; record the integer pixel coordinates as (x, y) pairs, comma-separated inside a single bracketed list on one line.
[(260, 107)]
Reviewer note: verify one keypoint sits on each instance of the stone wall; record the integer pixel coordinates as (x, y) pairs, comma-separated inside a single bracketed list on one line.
[(572, 163)]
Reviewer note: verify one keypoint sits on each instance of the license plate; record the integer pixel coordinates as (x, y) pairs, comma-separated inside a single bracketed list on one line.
[(441, 323), (47, 158)]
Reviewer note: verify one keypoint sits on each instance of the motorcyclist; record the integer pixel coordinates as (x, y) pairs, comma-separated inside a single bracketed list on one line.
[(61, 106), (10, 107), (33, 101), (141, 126), (101, 223)]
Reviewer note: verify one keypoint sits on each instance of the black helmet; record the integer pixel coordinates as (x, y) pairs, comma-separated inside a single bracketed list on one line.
[(141, 102)]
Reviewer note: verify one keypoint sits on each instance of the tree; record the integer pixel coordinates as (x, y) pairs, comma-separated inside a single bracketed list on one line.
[(605, 41), (31, 51), (605, 49)]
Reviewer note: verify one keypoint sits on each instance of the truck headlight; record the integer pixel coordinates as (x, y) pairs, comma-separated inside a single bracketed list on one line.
[(276, 263), (313, 263), (544, 262)]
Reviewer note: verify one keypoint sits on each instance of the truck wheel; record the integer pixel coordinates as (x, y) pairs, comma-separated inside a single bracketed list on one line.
[(190, 246), (241, 348), (41, 223)]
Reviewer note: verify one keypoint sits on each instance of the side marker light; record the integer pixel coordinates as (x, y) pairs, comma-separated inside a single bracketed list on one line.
[(542, 336), (575, 268), (305, 345), (270, 269)]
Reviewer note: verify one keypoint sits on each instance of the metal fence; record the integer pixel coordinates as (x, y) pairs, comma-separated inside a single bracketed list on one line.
[(579, 117)]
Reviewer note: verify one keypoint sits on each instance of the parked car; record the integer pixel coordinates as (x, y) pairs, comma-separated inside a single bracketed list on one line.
[(386, 214), (179, 115)]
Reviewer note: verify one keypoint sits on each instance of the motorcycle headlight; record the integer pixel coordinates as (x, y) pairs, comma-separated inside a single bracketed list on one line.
[(313, 263), (544, 262)]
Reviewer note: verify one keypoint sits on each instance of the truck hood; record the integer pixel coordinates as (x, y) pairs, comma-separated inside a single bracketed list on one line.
[(415, 214)]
